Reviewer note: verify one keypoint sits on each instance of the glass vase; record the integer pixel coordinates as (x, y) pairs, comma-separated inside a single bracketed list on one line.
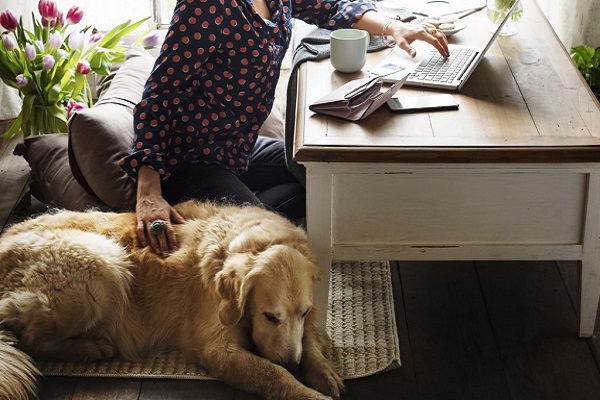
[(496, 11), (42, 119)]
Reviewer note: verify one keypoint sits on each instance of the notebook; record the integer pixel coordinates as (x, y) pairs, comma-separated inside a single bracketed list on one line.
[(430, 69)]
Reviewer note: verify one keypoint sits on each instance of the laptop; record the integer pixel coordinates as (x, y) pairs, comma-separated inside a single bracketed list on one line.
[(430, 69)]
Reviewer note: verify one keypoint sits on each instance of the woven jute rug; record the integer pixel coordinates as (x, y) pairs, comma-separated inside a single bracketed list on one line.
[(360, 321)]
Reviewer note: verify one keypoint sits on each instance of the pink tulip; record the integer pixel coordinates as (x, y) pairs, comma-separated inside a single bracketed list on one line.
[(48, 10), (8, 42), (48, 23), (83, 67), (60, 18), (8, 20), (73, 107), (48, 62), (21, 81), (74, 15), (96, 37)]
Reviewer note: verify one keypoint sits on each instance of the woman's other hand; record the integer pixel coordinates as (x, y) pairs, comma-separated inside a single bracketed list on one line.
[(155, 216)]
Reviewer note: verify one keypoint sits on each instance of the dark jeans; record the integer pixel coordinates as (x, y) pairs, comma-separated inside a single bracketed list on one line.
[(267, 182)]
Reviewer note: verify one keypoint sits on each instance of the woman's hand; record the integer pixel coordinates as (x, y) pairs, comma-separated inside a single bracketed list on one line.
[(155, 215), (404, 34)]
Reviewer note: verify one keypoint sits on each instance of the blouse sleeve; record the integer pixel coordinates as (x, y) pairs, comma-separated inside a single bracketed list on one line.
[(331, 14)]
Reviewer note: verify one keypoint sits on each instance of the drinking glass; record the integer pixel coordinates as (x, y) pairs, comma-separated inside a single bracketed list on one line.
[(496, 11)]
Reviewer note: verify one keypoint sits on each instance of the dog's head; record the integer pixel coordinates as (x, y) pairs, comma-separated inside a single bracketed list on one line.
[(273, 290)]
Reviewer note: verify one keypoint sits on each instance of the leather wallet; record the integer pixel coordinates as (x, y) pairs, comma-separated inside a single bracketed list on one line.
[(357, 99)]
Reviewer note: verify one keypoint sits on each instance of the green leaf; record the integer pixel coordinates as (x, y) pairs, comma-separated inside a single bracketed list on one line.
[(100, 63), (587, 60), (112, 37), (16, 126)]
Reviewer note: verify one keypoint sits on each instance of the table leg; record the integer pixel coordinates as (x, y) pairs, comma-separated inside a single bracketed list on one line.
[(590, 263), (318, 222)]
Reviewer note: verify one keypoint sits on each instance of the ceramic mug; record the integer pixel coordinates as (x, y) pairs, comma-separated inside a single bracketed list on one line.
[(349, 49)]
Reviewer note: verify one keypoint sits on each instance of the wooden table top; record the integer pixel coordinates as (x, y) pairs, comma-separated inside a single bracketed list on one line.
[(525, 102)]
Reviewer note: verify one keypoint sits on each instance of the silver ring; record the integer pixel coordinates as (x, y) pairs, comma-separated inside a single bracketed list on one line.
[(157, 227)]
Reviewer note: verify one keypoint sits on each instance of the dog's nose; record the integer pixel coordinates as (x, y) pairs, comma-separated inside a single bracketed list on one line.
[(292, 361), (291, 365)]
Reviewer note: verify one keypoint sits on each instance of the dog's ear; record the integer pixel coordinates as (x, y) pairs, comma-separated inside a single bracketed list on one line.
[(233, 283)]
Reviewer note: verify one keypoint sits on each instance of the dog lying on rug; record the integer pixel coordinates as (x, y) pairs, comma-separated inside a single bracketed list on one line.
[(236, 298)]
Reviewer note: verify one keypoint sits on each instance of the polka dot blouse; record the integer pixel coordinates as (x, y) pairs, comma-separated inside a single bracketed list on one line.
[(213, 83)]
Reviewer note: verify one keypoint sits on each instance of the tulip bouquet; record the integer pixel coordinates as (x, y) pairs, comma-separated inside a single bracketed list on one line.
[(49, 64)]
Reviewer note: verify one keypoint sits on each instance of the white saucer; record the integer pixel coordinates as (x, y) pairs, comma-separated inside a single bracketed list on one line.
[(459, 25)]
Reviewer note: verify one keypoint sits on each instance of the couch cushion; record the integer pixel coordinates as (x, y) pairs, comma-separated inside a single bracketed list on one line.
[(100, 136), (51, 179)]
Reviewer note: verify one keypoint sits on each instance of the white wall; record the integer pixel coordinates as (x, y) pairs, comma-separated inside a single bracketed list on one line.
[(96, 12), (575, 21)]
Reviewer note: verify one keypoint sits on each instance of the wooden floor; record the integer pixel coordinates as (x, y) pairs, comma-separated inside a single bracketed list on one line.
[(468, 330)]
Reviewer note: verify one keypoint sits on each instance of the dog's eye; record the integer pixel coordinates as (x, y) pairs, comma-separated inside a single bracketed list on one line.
[(272, 318), (305, 313)]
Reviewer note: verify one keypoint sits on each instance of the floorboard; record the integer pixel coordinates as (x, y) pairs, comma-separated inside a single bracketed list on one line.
[(106, 389), (185, 390), (452, 342), (536, 328), (57, 388)]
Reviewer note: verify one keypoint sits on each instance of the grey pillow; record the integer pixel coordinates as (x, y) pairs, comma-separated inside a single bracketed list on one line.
[(51, 179), (100, 136)]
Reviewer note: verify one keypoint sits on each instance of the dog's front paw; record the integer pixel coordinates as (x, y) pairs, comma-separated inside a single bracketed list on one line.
[(97, 349), (322, 377)]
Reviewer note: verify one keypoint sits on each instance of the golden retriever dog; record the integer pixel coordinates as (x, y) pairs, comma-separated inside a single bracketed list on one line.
[(236, 297)]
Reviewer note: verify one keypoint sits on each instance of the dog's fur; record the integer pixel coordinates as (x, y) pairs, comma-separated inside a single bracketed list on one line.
[(235, 298)]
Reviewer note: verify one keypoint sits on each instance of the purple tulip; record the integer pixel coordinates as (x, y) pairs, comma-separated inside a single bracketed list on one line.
[(83, 67), (153, 39), (61, 53), (48, 62), (9, 21), (48, 10), (21, 81), (30, 52), (74, 15), (56, 40), (76, 40), (8, 42)]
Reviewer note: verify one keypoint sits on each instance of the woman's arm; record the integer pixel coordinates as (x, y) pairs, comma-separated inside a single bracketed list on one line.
[(363, 14), (151, 206), (404, 34)]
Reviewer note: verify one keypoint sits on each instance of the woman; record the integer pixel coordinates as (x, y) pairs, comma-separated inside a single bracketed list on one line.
[(212, 87)]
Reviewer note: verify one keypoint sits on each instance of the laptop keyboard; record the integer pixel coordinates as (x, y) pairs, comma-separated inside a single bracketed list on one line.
[(436, 68)]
